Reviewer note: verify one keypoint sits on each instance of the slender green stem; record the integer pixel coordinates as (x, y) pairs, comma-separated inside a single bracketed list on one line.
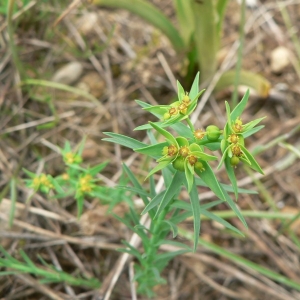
[(234, 98), (190, 124)]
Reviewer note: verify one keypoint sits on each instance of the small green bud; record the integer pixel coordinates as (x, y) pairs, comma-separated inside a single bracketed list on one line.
[(234, 160), (199, 166), (213, 133), (186, 100), (178, 164), (167, 116)]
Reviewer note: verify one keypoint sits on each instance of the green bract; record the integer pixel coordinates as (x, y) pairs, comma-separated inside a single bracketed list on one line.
[(177, 111), (233, 144)]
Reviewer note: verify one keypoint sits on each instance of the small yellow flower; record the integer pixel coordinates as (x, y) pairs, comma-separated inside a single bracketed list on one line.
[(233, 138), (182, 108), (192, 160), (69, 158), (184, 151), (65, 176), (170, 150), (186, 100), (238, 125), (236, 150), (173, 111), (199, 134)]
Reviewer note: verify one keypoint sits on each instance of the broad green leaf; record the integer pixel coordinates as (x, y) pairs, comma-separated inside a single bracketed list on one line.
[(148, 126), (97, 169), (170, 138), (158, 110), (161, 165), (182, 141), (252, 131), (180, 91), (123, 140), (182, 130), (253, 163), (195, 147), (204, 156), (152, 150), (171, 191), (195, 87), (208, 176), (228, 112), (238, 110), (251, 124), (143, 104), (196, 213)]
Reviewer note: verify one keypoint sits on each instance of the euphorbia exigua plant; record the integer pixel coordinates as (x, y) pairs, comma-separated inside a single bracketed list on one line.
[(183, 162)]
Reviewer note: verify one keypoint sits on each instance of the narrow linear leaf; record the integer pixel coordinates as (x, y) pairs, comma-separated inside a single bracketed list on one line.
[(195, 87), (124, 140), (253, 163), (251, 124), (208, 176), (196, 213), (252, 131), (180, 91), (238, 110), (173, 227), (136, 184), (165, 133), (152, 150), (218, 219), (171, 191)]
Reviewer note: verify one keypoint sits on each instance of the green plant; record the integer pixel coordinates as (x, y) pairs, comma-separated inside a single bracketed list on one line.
[(47, 273), (198, 35), (183, 163), (77, 181)]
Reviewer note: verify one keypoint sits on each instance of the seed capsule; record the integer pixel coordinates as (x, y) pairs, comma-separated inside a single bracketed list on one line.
[(167, 116), (199, 166), (213, 133), (234, 160), (186, 100), (178, 164)]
